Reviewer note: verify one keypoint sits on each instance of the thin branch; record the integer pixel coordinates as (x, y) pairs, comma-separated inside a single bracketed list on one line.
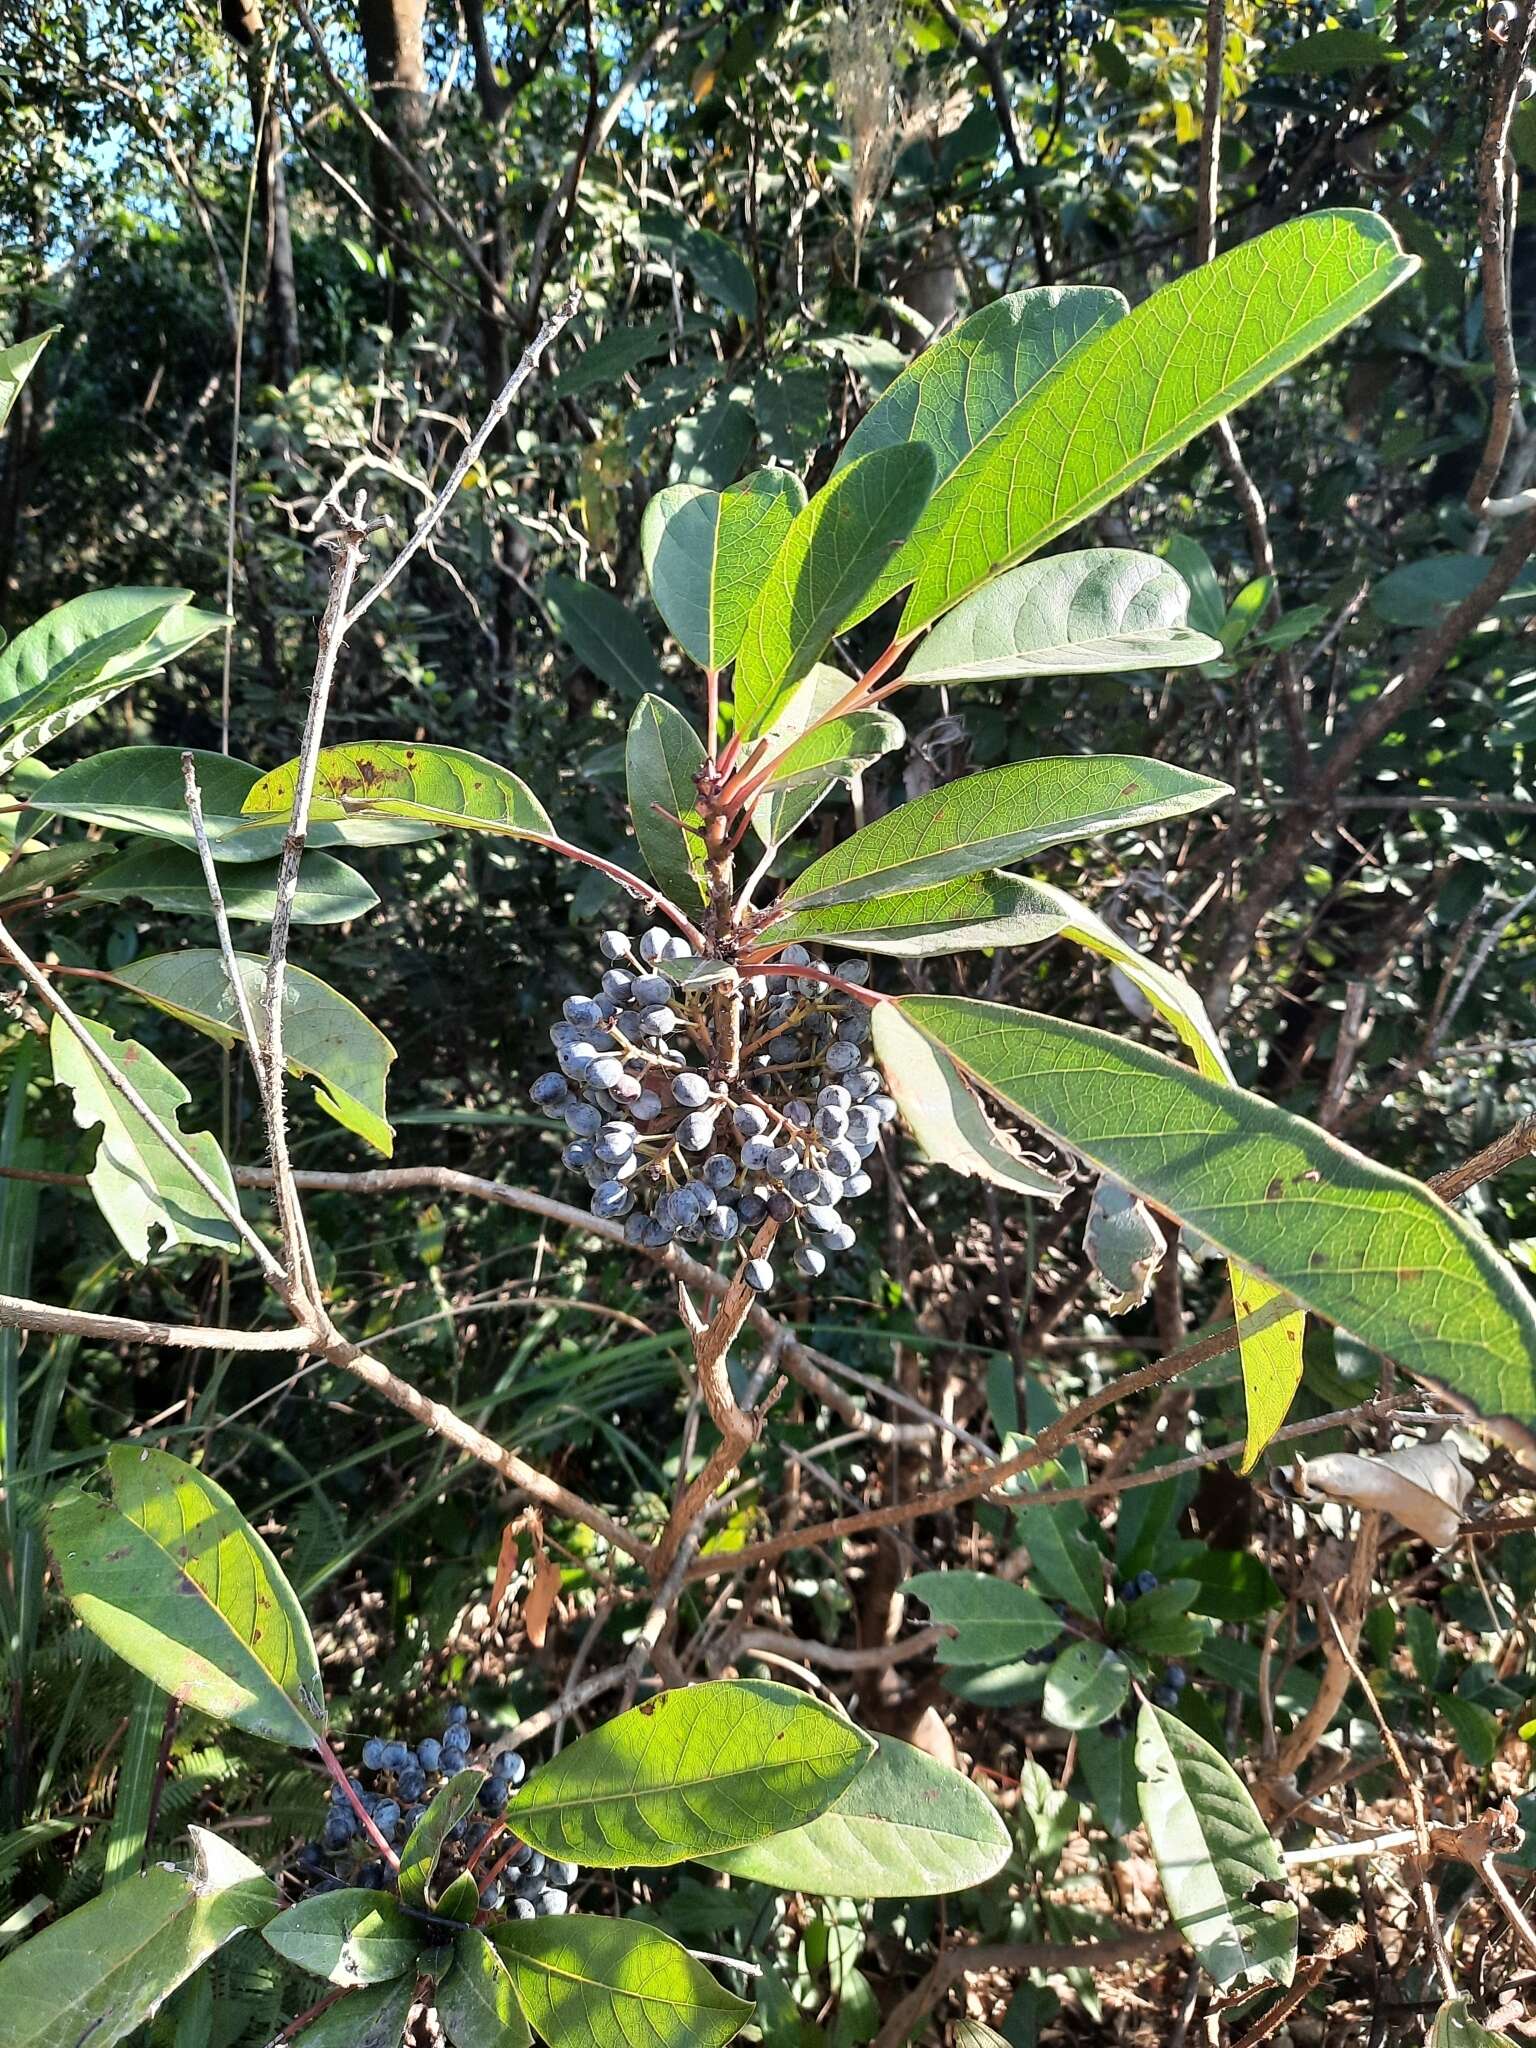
[(20, 1314), (1495, 227), (237, 988)]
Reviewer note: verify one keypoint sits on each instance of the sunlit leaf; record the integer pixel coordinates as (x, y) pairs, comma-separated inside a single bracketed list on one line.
[(16, 364), (476, 2000), (394, 779), (348, 1937), (1454, 2026), (971, 912), (942, 1111), (707, 555), (994, 1621), (589, 1983), (1085, 1686)]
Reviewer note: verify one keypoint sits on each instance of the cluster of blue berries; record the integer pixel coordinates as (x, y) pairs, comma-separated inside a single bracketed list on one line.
[(1175, 1677), (683, 1153), (394, 1785)]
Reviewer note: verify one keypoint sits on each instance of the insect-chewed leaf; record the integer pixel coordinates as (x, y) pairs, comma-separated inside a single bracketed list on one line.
[(476, 1999), (141, 1187), (662, 755), (393, 779), (98, 1974), (967, 914), (419, 1857), (171, 1576), (994, 1621), (829, 557), (324, 1035), (588, 1983), (1085, 1686), (961, 394), (1000, 815), (1212, 1848), (348, 1937), (1366, 1247), (171, 878), (690, 1772), (907, 1827), (1135, 392), (707, 555), (944, 1115), (1099, 613)]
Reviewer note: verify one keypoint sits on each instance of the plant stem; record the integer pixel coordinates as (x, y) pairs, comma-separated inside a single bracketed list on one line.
[(332, 1763)]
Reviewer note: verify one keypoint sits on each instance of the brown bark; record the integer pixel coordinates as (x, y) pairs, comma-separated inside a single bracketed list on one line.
[(397, 75)]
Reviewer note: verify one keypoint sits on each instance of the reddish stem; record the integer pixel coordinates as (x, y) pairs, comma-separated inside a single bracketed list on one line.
[(871, 998), (496, 1828), (729, 797), (332, 1763), (745, 786), (632, 883)]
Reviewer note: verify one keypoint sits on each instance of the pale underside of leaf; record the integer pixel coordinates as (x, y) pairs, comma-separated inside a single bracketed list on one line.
[(968, 914), (944, 1115)]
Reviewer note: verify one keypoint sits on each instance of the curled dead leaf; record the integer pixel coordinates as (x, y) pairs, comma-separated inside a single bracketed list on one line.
[(1424, 1487)]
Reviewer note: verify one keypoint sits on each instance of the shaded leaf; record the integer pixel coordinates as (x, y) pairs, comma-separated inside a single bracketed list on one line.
[(1212, 1849), (476, 2000), (419, 1857), (831, 554), (172, 1577), (971, 912), (605, 361), (1099, 613), (1421, 593), (588, 1983), (1455, 2027), (690, 1772), (603, 634), (140, 1187), (1364, 1246), (997, 816), (347, 1937), (994, 1621), (711, 444), (374, 2018), (815, 751), (96, 1975), (1476, 1729), (662, 757), (171, 878), (324, 1036), (1331, 49), (942, 1112), (907, 1827), (707, 555)]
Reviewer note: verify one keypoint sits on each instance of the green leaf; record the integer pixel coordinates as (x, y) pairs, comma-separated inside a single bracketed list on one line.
[(1476, 1729), (688, 1773), (1271, 1351), (1207, 605), (961, 394), (1330, 49), (1063, 1562), (1455, 2027), (394, 779), (1108, 1763), (476, 2000), (324, 1036), (603, 634), (837, 749), (815, 751), (1139, 390), (942, 1112), (16, 364), (141, 789), (1085, 1686), (375, 2018), (1000, 815), (172, 1577), (662, 757), (347, 1937), (419, 1857), (831, 554), (171, 878), (605, 361), (1099, 613), (1212, 1849), (140, 1187), (98, 1974), (994, 1622), (588, 1983), (711, 444), (81, 655), (1159, 1623), (907, 1827), (707, 555), (1421, 593), (964, 915), (720, 271), (1366, 1247)]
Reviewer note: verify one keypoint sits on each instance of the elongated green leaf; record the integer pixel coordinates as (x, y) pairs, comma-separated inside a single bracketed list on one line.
[(171, 878), (943, 1114), (707, 555), (171, 1576), (1063, 1562), (619, 352), (419, 1857), (1091, 614), (16, 363), (60, 868), (98, 1974), (961, 394), (1212, 1849), (1133, 394), (83, 654), (1085, 1686), (994, 1622), (392, 778), (1331, 49), (1455, 2027), (796, 724), (375, 2018), (662, 757), (347, 1937), (688, 1773), (964, 915), (324, 1036), (831, 554), (603, 634), (1421, 593), (1364, 1246), (1271, 1352), (837, 748), (997, 816), (907, 1827), (141, 1188), (586, 1983), (476, 2000), (141, 789)]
